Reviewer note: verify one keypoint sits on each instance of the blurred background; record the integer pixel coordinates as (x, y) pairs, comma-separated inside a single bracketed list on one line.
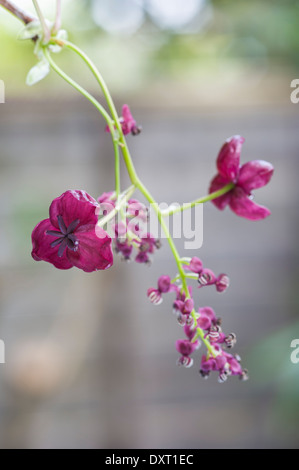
[(90, 363)]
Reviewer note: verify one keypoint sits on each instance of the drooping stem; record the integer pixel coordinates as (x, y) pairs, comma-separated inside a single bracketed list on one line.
[(209, 197), (122, 142), (80, 89), (117, 168), (46, 30), (57, 24), (98, 106)]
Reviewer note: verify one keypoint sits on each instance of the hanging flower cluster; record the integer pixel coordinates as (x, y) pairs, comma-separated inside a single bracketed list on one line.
[(74, 236), (201, 326)]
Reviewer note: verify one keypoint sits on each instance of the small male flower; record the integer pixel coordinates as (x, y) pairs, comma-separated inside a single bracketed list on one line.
[(222, 283), (164, 286), (195, 265), (185, 347), (68, 238), (251, 175), (128, 123), (185, 307)]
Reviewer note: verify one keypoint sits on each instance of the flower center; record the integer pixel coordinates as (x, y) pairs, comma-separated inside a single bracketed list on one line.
[(65, 238)]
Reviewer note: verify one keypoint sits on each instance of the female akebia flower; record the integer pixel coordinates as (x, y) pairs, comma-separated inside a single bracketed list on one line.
[(70, 236), (251, 175)]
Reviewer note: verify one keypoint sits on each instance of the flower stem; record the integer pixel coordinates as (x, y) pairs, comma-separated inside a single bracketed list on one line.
[(57, 24), (126, 154), (46, 30), (99, 107), (201, 200), (80, 89), (117, 168)]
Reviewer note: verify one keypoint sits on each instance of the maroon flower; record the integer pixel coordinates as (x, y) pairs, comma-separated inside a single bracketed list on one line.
[(68, 238), (128, 123), (251, 175)]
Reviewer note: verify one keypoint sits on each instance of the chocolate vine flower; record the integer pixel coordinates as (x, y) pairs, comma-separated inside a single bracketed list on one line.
[(251, 175), (128, 123), (68, 238)]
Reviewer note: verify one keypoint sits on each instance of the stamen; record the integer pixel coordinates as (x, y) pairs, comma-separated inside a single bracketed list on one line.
[(62, 225), (54, 233), (72, 226), (62, 247), (57, 242)]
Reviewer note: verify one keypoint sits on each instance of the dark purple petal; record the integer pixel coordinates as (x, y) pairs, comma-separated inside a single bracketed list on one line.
[(220, 362), (188, 306), (254, 174), (107, 197), (218, 182), (228, 160), (204, 322), (209, 312), (94, 249), (73, 205), (185, 347), (43, 249), (208, 364), (195, 265), (164, 283), (245, 207), (235, 366), (128, 123)]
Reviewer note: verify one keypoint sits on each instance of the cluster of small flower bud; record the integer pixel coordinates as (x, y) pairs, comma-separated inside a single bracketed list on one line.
[(130, 231), (201, 325)]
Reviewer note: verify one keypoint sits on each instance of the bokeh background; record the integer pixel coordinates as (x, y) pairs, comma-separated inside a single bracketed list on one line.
[(90, 363)]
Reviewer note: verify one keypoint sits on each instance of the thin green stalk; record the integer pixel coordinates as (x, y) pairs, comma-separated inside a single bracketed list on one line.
[(46, 30), (80, 89), (57, 24), (201, 200), (117, 168), (99, 107), (126, 154)]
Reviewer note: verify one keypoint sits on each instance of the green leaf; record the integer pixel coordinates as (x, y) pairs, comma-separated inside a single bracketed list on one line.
[(31, 30), (38, 72)]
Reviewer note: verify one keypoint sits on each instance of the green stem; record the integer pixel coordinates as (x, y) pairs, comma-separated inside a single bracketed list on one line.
[(57, 24), (46, 31), (201, 200), (117, 168), (126, 154), (99, 107), (80, 89)]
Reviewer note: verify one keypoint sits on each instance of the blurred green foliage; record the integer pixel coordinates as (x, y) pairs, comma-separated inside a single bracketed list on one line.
[(255, 33)]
